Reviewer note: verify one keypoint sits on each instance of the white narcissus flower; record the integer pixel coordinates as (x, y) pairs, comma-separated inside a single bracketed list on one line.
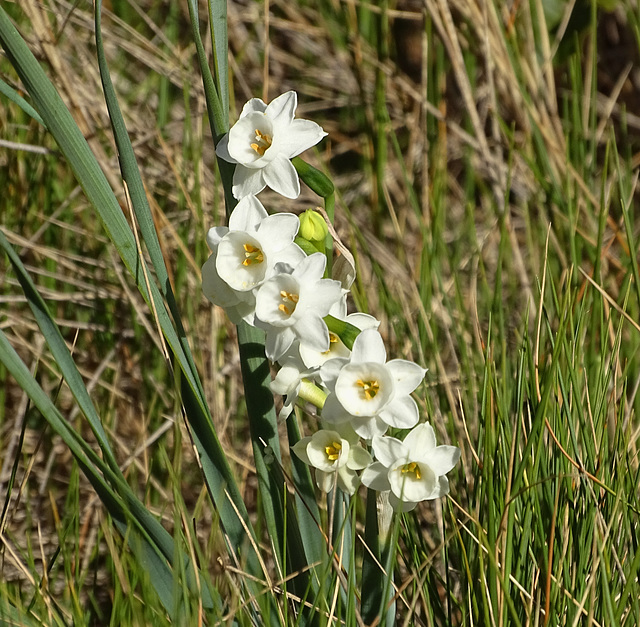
[(337, 349), (290, 378), (291, 305), (372, 394), (413, 470), (332, 453), (244, 255), (262, 142)]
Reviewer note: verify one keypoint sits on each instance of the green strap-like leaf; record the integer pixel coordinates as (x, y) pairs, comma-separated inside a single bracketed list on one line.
[(16, 98), (135, 186), (218, 476), (92, 466), (60, 352)]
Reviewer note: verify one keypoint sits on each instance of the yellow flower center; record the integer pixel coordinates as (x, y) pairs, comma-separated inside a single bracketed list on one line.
[(333, 338), (412, 468), (369, 388), (252, 255), (333, 451), (263, 141), (288, 306)]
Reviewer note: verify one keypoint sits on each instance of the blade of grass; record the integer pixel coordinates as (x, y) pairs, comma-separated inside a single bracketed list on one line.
[(219, 478), (16, 98), (94, 469)]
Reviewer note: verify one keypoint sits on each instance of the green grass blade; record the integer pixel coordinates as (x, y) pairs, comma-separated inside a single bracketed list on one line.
[(89, 462), (218, 24), (60, 352), (135, 186), (16, 98), (219, 478), (218, 112)]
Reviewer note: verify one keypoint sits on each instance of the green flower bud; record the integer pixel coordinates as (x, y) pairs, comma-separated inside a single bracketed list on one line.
[(313, 228)]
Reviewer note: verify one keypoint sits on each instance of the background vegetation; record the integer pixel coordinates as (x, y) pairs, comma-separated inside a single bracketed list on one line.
[(485, 156)]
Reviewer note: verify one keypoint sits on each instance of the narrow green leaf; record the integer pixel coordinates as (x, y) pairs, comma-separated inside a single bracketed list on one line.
[(217, 111), (60, 352), (218, 24), (219, 478), (135, 187), (16, 98)]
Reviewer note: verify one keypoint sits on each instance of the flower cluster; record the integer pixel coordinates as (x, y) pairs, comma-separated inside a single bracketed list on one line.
[(259, 274)]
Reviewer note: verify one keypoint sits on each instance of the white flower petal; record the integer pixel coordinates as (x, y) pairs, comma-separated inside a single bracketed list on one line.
[(408, 375), (321, 295), (300, 449), (214, 236), (301, 135), (286, 381), (214, 288), (368, 346), (324, 445), (400, 506), (412, 482), (292, 255), (364, 389), (368, 427), (252, 106), (325, 480), (333, 412), (282, 109), (388, 450), (247, 182), (250, 141), (222, 149), (443, 458), (276, 301), (278, 231), (442, 489), (348, 480), (240, 261), (421, 441), (242, 311), (360, 458), (282, 177), (277, 340), (329, 372), (247, 215), (401, 413), (375, 477), (311, 268), (362, 321), (311, 330)]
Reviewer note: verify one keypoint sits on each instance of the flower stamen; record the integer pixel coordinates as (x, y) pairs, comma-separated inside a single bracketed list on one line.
[(263, 142), (290, 302), (333, 451), (413, 468), (252, 255), (333, 339), (369, 388)]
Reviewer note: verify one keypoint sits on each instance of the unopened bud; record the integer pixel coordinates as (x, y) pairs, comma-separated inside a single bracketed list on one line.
[(313, 228)]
